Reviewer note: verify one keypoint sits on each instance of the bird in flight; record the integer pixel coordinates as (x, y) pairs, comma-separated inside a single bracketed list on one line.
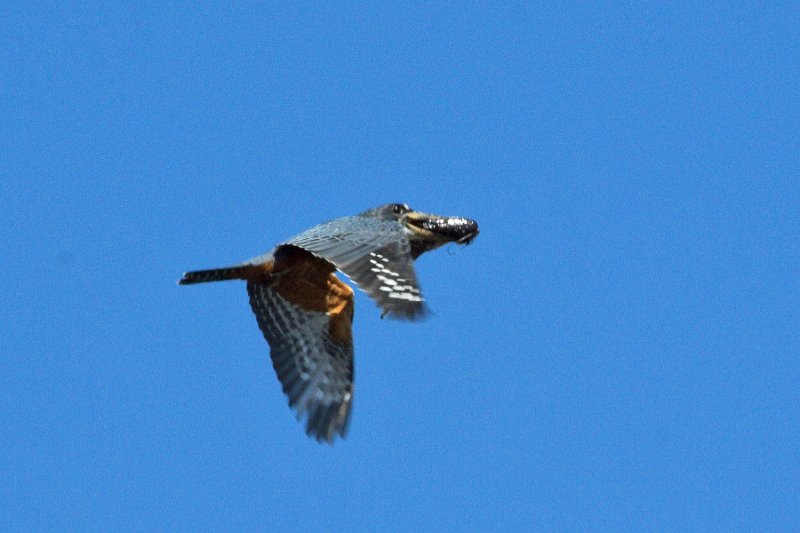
[(306, 313)]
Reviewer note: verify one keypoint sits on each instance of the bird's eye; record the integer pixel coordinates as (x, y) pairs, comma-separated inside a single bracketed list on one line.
[(399, 209)]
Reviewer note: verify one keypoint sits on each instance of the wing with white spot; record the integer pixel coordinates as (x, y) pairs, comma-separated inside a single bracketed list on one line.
[(315, 370), (375, 254)]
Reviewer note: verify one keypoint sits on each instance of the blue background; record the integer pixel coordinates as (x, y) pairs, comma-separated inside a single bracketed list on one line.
[(618, 349)]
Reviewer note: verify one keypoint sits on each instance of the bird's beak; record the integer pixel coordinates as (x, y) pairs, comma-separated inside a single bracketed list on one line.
[(439, 229)]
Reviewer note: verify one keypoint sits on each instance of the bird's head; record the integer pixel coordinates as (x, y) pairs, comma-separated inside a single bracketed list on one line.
[(426, 231)]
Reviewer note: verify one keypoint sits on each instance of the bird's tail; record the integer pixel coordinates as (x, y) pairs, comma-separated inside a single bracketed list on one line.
[(217, 274)]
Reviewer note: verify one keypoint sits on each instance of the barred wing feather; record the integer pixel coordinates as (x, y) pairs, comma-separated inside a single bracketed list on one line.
[(375, 254)]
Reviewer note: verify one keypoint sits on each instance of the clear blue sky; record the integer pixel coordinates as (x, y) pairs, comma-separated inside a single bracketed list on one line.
[(618, 349)]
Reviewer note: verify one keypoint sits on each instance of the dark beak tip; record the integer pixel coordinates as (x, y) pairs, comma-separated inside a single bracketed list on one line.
[(469, 237)]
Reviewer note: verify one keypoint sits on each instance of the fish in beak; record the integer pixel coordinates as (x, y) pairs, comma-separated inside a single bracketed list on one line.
[(428, 232)]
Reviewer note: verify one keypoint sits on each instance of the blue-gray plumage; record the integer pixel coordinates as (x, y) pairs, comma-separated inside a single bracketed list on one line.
[(305, 312)]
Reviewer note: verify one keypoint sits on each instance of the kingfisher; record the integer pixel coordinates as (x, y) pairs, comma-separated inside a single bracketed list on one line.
[(306, 312)]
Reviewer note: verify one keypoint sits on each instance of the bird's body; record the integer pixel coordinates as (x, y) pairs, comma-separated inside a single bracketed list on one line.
[(306, 313)]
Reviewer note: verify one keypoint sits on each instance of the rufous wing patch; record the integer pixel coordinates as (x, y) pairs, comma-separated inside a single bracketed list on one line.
[(308, 281), (340, 308)]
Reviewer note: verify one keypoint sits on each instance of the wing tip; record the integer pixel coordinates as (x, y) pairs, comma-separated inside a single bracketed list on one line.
[(326, 434), (412, 313)]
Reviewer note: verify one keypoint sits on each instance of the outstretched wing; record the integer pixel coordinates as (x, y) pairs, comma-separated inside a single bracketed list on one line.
[(314, 365), (375, 254)]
